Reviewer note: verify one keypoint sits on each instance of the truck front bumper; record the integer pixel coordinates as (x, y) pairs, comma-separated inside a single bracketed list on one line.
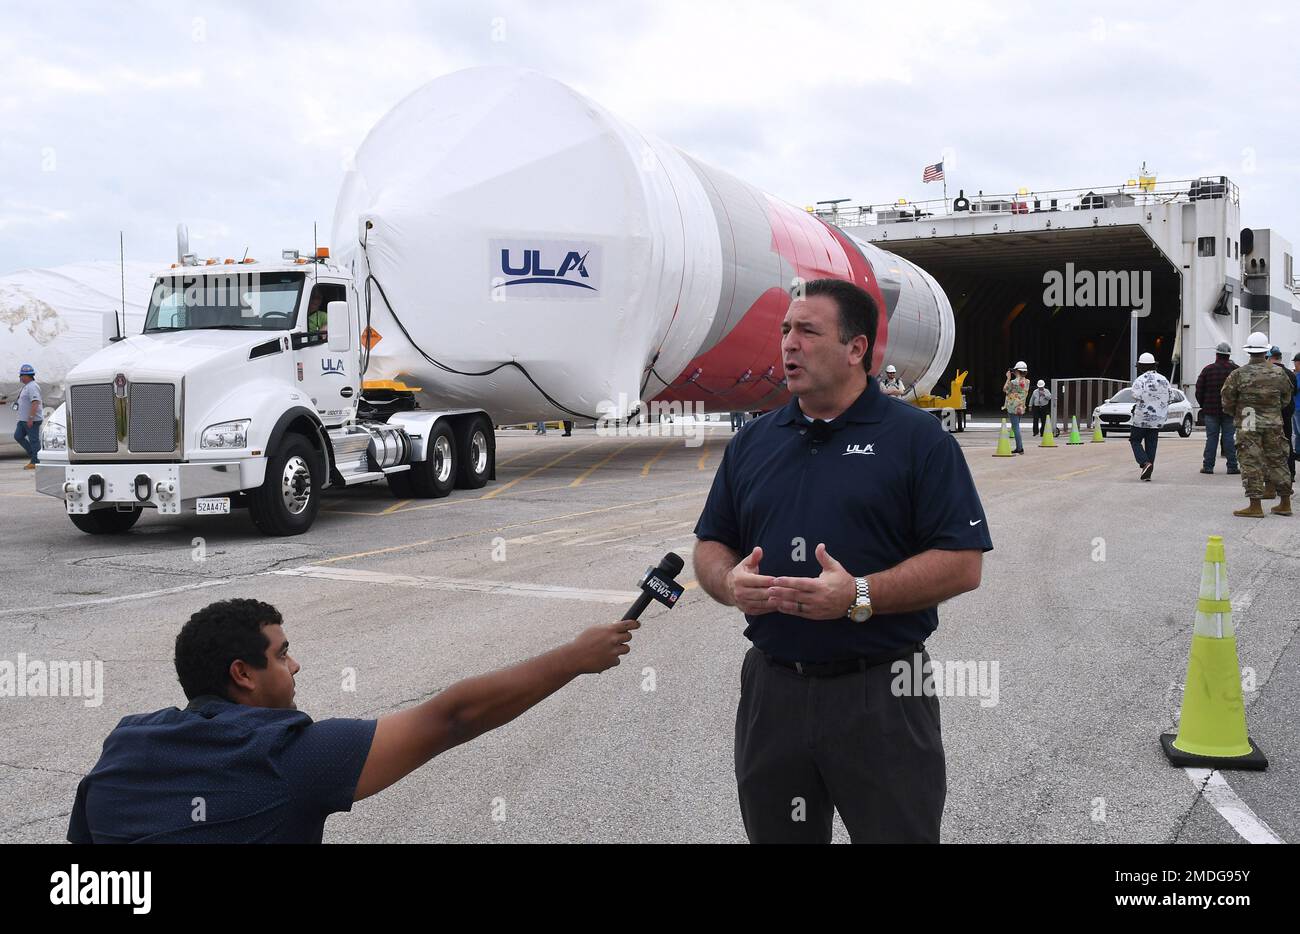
[(164, 487)]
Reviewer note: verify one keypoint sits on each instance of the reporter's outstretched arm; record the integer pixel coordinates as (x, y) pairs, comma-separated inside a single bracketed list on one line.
[(408, 739)]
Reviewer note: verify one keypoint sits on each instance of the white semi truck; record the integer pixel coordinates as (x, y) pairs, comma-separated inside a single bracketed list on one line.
[(245, 389)]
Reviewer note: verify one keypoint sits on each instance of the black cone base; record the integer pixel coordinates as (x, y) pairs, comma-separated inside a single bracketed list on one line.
[(1255, 760)]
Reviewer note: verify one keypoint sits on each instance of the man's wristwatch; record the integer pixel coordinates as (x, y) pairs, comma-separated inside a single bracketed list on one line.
[(860, 611)]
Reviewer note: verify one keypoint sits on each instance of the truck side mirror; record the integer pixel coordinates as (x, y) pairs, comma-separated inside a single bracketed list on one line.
[(340, 333)]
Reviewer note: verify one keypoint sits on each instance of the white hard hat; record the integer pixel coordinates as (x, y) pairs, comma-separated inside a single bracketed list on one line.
[(1041, 384), (1256, 343), (1146, 358), (890, 369), (1021, 365)]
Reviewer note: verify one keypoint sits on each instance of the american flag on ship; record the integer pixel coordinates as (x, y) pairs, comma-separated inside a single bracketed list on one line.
[(933, 173)]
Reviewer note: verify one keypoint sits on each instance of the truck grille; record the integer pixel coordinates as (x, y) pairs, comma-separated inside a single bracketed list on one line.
[(146, 419), (152, 422), (94, 419)]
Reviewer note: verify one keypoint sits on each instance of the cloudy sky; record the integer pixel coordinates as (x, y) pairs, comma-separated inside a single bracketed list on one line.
[(239, 121)]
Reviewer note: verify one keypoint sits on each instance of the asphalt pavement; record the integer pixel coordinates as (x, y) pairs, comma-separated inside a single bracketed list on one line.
[(1086, 609)]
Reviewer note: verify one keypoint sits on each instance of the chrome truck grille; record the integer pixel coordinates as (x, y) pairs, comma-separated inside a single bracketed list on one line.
[(92, 419), (152, 419), (99, 421)]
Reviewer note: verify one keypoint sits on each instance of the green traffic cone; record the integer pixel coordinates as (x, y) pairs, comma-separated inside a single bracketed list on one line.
[(1074, 431), (1004, 441), (1049, 435), (1097, 436), (1212, 726)]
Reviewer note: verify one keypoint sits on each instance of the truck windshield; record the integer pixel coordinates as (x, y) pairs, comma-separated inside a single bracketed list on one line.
[(240, 301)]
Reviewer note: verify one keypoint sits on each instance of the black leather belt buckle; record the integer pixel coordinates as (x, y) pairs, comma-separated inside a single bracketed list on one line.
[(820, 669), (844, 666)]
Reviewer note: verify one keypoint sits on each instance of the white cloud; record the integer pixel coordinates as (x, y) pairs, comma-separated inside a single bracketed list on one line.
[(238, 117)]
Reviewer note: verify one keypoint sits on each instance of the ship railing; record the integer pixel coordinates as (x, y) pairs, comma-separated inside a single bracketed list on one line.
[(1099, 197)]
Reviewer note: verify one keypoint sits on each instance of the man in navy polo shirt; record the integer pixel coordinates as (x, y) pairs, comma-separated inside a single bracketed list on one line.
[(241, 764), (837, 524)]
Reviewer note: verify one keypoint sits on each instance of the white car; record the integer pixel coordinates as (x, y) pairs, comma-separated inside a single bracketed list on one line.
[(1116, 413)]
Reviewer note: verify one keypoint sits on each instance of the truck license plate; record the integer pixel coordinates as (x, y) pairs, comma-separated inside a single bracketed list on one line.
[(214, 506)]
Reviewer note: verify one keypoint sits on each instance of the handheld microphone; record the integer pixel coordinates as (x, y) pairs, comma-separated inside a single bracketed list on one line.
[(658, 584)]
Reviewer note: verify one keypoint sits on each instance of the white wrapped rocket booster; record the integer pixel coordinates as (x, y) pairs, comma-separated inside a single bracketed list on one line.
[(507, 219), (55, 318)]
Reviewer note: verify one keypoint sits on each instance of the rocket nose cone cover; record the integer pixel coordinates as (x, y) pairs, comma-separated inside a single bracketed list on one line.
[(508, 224)]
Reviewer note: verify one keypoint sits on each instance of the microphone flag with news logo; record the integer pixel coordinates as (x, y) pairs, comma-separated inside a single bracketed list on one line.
[(658, 584)]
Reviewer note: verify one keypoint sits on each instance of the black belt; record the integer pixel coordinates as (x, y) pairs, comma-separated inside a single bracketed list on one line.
[(847, 665)]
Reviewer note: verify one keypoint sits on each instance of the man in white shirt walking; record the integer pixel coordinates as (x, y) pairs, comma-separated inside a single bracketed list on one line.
[(1150, 411)]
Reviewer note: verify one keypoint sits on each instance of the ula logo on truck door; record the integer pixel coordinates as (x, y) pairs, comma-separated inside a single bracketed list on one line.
[(331, 367), (553, 269)]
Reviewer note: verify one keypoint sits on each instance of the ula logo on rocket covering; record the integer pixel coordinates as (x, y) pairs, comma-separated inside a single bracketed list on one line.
[(534, 268)]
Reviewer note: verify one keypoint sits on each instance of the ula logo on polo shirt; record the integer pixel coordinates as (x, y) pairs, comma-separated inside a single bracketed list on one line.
[(859, 449)]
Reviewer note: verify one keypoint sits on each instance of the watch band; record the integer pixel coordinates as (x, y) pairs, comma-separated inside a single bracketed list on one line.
[(862, 595)]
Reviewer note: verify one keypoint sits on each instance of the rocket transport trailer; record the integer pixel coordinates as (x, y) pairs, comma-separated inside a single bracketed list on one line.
[(507, 251)]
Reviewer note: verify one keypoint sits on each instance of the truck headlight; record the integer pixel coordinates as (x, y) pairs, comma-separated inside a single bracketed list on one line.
[(54, 436), (226, 435)]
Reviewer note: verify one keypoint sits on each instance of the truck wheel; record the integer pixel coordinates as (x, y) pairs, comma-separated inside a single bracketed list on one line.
[(476, 449), (399, 484), (287, 501), (434, 477), (105, 521)]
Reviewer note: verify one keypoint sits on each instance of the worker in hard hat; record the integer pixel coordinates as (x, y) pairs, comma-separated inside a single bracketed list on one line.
[(1041, 404), (1016, 391), (1295, 419), (1151, 395), (1218, 423), (27, 431), (1255, 395), (1288, 411), (890, 384)]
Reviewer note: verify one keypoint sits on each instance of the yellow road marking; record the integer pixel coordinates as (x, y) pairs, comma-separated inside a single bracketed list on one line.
[(503, 528), (699, 465), (455, 500), (577, 481), (645, 471), (532, 473), (1075, 473), (520, 456), (396, 506)]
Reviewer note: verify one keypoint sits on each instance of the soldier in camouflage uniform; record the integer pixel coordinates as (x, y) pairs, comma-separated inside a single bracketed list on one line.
[(1255, 396)]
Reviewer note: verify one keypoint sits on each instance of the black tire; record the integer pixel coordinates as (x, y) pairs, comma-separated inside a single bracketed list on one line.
[(435, 476), (476, 452), (1185, 429), (399, 484), (289, 498), (106, 521)]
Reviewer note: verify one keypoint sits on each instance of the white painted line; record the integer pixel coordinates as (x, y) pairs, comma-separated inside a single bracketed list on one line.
[(1241, 603), (500, 588), (123, 598), (1236, 812)]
